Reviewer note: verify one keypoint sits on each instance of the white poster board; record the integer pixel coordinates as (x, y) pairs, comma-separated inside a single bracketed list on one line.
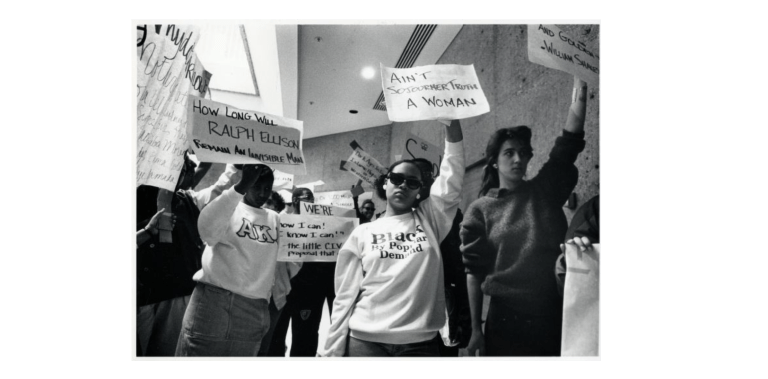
[(225, 134), (326, 210), (167, 71), (581, 302), (364, 166), (311, 238), (341, 199), (436, 92), (551, 47)]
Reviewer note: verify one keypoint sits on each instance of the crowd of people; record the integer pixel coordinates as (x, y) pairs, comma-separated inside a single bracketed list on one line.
[(410, 282)]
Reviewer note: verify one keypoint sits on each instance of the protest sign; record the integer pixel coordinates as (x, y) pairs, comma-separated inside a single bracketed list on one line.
[(283, 181), (336, 198), (436, 92), (581, 302), (551, 47), (310, 238), (416, 147), (326, 210), (224, 134), (167, 71), (364, 166)]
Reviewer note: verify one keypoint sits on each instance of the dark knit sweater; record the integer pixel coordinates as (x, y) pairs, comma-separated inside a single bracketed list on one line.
[(512, 238)]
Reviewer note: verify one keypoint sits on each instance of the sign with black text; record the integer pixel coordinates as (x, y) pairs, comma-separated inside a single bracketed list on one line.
[(311, 238), (551, 47)]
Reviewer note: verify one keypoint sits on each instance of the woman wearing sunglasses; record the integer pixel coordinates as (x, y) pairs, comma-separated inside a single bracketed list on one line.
[(390, 299)]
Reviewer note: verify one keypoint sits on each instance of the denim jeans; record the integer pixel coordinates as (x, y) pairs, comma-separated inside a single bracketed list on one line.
[(158, 326), (220, 323), (360, 348)]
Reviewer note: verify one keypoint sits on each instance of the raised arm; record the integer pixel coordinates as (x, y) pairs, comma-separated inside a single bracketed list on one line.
[(445, 194), (578, 110), (214, 219)]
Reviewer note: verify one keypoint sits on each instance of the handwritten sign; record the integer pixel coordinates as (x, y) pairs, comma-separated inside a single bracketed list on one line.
[(283, 181), (224, 134), (310, 238), (436, 92), (326, 210), (581, 302), (364, 166), (168, 70), (416, 147), (336, 198), (551, 47)]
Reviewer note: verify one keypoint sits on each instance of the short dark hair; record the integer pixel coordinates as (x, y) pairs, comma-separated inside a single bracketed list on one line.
[(520, 133), (366, 201), (277, 201)]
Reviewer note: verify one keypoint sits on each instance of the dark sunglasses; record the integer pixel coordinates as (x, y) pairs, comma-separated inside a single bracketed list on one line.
[(398, 179)]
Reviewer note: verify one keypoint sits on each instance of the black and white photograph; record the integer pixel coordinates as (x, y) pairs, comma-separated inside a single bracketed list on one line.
[(367, 190)]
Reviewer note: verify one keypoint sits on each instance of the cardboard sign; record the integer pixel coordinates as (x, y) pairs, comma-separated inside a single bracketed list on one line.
[(551, 47), (364, 166), (415, 147), (224, 134), (326, 210), (167, 71), (336, 198), (436, 92), (310, 238), (581, 302), (283, 181)]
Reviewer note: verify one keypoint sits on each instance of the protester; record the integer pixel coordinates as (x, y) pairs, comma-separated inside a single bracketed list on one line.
[(312, 286), (583, 232), (284, 271), (511, 236), (368, 209), (390, 298), (164, 277), (228, 311), (151, 230)]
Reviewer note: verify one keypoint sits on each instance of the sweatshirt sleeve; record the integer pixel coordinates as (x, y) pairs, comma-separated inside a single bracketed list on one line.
[(348, 279), (477, 253), (214, 219), (205, 196), (559, 175), (445, 194)]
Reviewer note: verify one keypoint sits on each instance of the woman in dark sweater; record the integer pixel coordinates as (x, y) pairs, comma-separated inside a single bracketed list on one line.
[(510, 240)]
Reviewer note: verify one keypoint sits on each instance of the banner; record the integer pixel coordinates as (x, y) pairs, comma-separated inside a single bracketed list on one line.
[(551, 47), (364, 166), (224, 134), (336, 198), (581, 302), (167, 71), (326, 210), (415, 147), (310, 238), (436, 92)]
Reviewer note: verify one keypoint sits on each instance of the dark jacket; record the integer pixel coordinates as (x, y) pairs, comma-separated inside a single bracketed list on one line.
[(456, 296)]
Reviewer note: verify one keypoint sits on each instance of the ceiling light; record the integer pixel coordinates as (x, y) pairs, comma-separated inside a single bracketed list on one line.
[(368, 73)]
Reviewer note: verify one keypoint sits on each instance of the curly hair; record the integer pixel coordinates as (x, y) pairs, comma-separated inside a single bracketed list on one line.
[(382, 179), (519, 133)]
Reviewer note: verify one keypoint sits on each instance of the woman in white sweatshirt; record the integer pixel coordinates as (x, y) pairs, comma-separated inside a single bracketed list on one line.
[(390, 298), (228, 313)]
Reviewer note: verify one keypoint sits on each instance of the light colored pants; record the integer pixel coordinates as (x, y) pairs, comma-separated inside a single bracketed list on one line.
[(158, 326), (220, 323)]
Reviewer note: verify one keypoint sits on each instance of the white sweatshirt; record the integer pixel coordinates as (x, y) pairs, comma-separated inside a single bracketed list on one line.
[(389, 273), (241, 255)]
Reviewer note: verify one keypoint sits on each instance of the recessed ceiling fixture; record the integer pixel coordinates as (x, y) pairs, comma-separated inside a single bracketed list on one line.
[(368, 72), (353, 111)]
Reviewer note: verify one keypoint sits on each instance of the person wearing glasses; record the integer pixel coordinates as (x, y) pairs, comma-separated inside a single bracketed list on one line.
[(390, 297), (511, 238)]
